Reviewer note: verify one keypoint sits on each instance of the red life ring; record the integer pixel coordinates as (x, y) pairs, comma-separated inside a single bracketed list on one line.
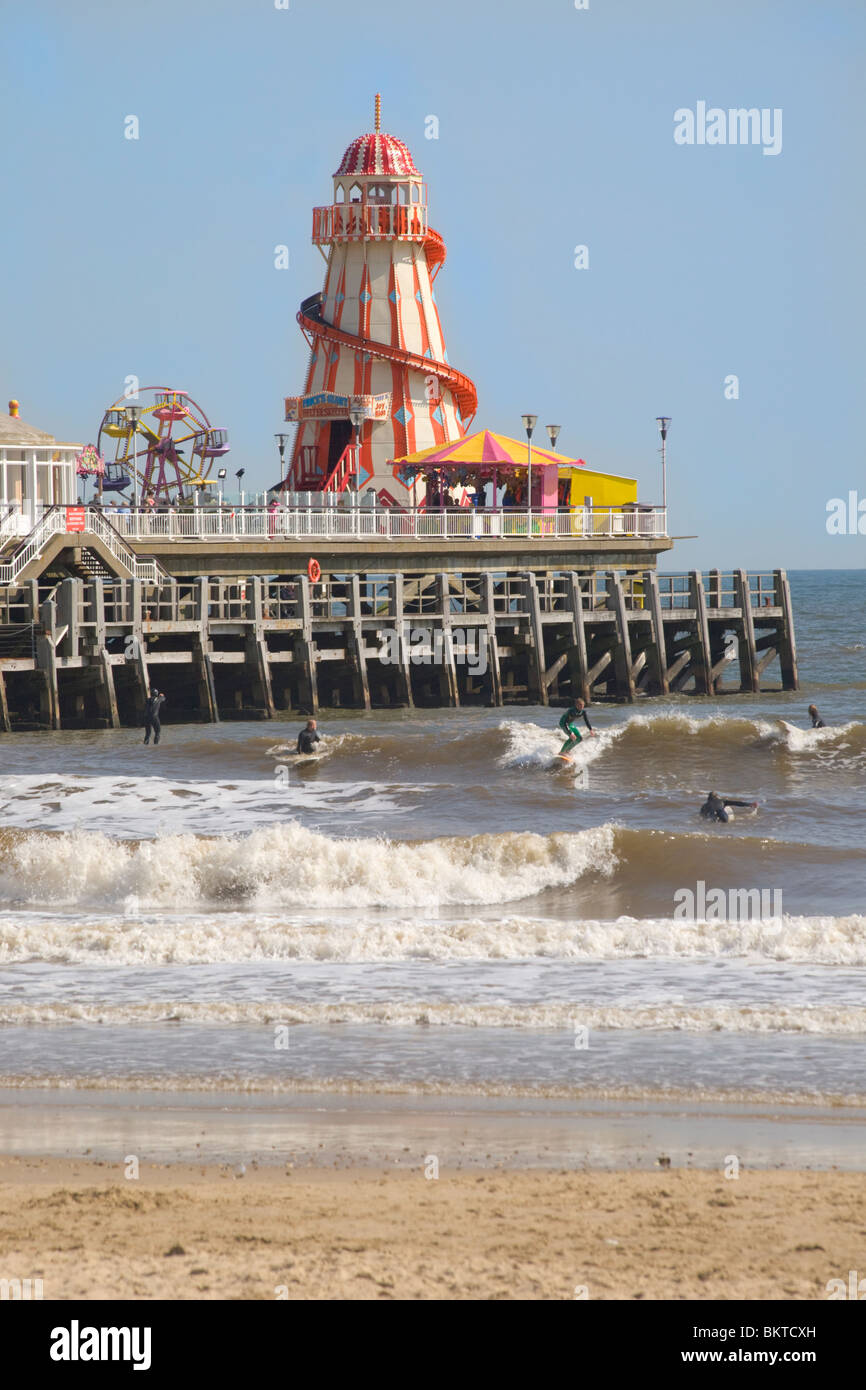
[(314, 571)]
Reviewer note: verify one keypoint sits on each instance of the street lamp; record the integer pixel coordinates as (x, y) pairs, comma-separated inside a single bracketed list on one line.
[(553, 434), (529, 423), (663, 422), (239, 474), (357, 415), (221, 474), (282, 440), (133, 415)]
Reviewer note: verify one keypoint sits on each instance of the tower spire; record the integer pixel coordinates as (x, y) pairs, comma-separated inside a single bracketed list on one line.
[(378, 112)]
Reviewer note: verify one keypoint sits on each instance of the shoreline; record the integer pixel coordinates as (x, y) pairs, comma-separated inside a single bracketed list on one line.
[(89, 1230), (364, 1129)]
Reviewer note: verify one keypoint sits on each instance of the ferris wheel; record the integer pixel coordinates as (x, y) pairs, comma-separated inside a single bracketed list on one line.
[(168, 451)]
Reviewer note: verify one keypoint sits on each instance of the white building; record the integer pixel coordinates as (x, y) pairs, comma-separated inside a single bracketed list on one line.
[(36, 472)]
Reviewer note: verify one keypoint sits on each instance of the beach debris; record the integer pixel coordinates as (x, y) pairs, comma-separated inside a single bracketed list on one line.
[(663, 1161)]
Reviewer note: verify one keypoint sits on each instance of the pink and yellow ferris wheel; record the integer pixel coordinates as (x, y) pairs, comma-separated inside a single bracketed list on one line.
[(168, 451)]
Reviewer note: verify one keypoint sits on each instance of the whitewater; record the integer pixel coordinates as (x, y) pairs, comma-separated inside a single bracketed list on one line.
[(432, 905)]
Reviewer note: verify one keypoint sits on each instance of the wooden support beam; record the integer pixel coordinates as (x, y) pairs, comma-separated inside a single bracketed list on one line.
[(448, 679), (359, 653), (553, 671), (306, 648), (601, 665), (5, 721), (577, 662), (397, 605), (109, 695), (703, 665), (677, 671), (660, 655), (46, 661), (493, 654), (749, 674), (765, 660), (788, 643), (622, 650), (536, 631), (638, 665)]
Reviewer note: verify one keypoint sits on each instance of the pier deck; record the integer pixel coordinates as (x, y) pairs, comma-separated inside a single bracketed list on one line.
[(85, 652)]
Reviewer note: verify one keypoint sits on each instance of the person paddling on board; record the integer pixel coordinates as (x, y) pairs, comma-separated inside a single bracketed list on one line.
[(568, 724), (715, 806), (308, 738), (817, 721)]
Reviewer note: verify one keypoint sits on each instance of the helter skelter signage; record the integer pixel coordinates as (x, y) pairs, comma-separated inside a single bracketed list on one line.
[(327, 405)]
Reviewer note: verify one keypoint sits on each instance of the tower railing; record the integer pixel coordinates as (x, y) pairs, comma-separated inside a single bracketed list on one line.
[(369, 221)]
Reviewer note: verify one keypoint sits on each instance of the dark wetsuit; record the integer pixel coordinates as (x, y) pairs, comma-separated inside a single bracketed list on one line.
[(568, 725), (714, 807), (151, 718), (817, 722), (306, 739)]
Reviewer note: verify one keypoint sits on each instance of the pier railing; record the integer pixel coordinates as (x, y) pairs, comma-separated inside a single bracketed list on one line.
[(386, 524)]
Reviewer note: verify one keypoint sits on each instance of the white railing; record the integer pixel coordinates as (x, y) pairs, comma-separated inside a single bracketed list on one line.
[(53, 523), (356, 522)]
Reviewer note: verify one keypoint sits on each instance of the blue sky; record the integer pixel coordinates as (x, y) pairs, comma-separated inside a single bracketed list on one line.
[(156, 256)]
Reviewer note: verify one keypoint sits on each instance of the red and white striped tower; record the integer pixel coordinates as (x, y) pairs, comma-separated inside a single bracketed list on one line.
[(374, 332)]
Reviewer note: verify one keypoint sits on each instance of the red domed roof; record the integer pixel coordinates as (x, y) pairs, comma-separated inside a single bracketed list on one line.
[(377, 153)]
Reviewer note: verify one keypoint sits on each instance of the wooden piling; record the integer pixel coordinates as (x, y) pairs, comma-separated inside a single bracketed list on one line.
[(702, 665), (306, 649), (622, 652), (360, 681), (660, 657), (749, 674), (536, 671), (787, 642), (493, 667)]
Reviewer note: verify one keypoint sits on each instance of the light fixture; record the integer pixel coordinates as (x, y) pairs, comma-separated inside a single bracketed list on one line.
[(553, 434)]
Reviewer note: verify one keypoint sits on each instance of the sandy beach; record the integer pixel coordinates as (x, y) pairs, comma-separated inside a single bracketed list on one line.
[(188, 1232)]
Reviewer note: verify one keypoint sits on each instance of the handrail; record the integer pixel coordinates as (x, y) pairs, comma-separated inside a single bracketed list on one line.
[(53, 522), (335, 522)]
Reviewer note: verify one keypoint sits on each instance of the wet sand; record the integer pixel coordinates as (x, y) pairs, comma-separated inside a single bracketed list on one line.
[(198, 1232)]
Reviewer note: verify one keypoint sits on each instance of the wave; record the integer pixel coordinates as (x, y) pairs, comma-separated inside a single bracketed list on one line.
[(206, 938), (291, 866), (832, 1021)]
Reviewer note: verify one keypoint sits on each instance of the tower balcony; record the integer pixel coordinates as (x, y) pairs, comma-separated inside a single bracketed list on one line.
[(369, 222)]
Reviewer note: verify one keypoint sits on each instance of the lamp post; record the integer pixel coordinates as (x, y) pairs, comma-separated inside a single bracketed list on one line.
[(282, 440), (663, 422), (221, 474), (357, 415), (553, 434), (133, 415), (239, 474), (529, 423)]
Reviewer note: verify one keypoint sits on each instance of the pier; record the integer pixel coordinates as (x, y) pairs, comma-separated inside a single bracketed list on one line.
[(84, 652)]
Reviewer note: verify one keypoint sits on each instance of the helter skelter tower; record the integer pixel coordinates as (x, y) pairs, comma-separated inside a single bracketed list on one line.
[(376, 343)]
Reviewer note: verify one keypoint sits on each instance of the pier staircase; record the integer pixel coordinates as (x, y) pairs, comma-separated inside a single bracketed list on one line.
[(98, 551)]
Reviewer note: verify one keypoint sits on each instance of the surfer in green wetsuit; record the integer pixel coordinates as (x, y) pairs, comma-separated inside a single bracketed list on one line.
[(568, 724)]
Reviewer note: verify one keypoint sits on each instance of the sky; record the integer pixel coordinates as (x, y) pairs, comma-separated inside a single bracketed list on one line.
[(155, 257)]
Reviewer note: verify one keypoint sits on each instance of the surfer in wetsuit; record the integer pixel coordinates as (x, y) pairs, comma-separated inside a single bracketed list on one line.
[(715, 806), (817, 721), (308, 737), (568, 724), (151, 717)]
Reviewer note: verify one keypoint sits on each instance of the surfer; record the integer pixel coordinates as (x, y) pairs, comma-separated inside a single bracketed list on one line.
[(151, 717), (715, 807), (308, 737), (568, 724), (817, 721)]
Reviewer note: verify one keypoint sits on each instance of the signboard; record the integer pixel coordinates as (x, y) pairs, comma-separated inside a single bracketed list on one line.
[(327, 405), (75, 518)]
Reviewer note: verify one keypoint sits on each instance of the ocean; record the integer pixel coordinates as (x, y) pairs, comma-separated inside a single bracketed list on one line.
[(429, 908)]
